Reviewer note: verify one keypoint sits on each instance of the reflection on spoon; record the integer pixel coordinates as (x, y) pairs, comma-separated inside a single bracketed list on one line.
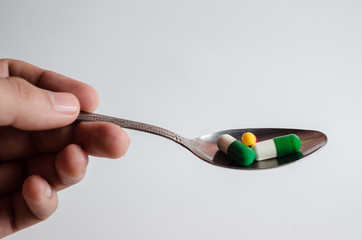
[(205, 146)]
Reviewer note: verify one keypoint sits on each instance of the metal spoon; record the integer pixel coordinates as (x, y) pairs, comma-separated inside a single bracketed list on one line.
[(205, 146)]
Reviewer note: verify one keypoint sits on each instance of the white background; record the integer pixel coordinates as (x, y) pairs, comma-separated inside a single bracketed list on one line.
[(196, 67)]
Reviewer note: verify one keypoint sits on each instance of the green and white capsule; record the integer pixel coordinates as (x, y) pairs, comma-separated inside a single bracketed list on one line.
[(276, 147), (236, 150)]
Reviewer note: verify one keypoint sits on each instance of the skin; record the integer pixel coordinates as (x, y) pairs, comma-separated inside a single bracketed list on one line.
[(42, 150)]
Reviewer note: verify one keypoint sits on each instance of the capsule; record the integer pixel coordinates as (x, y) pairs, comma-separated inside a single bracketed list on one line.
[(276, 147), (236, 150), (249, 139)]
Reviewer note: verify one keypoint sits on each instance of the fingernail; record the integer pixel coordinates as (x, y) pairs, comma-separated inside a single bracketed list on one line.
[(48, 192), (64, 102)]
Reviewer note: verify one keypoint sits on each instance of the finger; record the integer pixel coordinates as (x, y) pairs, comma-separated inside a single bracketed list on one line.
[(71, 165), (21, 69), (51, 141), (40, 197), (14, 144), (61, 170), (12, 176), (36, 202), (6, 216), (52, 81), (98, 139), (30, 108), (102, 139), (86, 94)]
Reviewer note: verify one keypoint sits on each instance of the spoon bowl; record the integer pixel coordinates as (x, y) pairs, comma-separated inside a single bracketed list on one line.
[(205, 146)]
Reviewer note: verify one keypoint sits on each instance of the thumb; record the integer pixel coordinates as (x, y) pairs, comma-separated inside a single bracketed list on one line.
[(27, 107)]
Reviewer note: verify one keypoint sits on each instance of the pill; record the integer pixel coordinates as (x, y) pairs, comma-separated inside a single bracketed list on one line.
[(249, 139), (276, 147), (236, 150)]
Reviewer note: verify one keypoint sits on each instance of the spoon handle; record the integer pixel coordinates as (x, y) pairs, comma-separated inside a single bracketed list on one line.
[(94, 117)]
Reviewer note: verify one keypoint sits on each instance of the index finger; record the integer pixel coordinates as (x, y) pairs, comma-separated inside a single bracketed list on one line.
[(51, 81)]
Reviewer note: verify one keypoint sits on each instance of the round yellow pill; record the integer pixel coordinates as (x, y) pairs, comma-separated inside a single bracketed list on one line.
[(249, 139)]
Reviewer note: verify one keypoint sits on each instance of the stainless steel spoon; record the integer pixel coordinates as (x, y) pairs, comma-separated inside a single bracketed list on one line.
[(205, 146)]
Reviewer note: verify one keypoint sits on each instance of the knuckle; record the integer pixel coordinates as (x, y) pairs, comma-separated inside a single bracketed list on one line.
[(22, 89)]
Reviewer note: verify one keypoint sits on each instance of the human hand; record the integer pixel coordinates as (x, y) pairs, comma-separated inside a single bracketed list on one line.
[(42, 150)]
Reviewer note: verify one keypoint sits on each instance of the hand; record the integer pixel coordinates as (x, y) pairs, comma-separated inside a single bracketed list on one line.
[(42, 150)]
